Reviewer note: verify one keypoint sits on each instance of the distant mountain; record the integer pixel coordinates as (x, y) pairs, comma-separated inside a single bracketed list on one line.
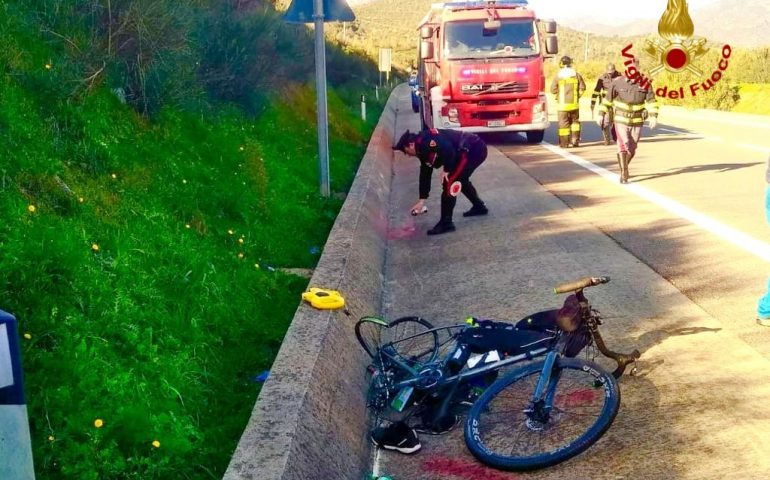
[(744, 23)]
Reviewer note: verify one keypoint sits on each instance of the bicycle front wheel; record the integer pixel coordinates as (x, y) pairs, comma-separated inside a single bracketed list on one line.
[(506, 430), (412, 338)]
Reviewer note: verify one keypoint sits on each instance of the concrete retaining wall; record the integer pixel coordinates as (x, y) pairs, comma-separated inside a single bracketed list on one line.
[(310, 419)]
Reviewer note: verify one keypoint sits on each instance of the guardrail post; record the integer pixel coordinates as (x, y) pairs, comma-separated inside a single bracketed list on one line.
[(363, 107), (15, 445)]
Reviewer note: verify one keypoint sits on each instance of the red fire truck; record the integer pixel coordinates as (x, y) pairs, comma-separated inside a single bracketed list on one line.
[(481, 67)]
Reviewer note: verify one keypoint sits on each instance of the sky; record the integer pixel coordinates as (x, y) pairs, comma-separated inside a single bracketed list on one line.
[(602, 11)]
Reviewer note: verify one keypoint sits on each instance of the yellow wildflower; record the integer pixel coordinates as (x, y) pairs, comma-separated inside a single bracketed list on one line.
[(156, 444), (98, 423), (31, 209), (95, 247), (28, 336)]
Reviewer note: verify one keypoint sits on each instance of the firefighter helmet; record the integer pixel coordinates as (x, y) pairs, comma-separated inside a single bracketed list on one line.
[(565, 61)]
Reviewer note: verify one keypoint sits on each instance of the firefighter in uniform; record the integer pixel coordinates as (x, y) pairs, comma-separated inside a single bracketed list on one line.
[(600, 91), (568, 86), (458, 155), (628, 103)]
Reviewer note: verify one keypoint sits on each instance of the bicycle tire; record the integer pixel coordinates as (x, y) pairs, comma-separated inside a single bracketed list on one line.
[(481, 444), (369, 331)]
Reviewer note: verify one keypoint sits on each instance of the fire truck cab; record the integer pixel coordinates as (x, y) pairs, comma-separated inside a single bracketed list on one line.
[(481, 67)]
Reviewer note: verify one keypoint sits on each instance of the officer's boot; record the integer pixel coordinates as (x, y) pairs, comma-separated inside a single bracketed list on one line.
[(564, 141), (575, 139), (606, 136), (621, 167), (478, 208), (624, 157), (445, 224)]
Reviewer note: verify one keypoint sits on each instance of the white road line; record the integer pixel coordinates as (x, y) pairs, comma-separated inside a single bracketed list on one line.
[(376, 464), (736, 237), (692, 135), (754, 147), (711, 117), (716, 139)]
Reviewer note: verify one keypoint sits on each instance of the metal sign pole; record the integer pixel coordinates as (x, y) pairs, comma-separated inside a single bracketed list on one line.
[(320, 80)]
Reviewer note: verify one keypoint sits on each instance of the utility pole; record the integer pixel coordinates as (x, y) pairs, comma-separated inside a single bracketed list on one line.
[(320, 77), (305, 11)]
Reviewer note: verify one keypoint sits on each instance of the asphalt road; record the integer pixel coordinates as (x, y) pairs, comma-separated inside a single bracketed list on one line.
[(685, 245), (693, 210)]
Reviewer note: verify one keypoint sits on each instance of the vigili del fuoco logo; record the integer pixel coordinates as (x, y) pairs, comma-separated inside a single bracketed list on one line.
[(675, 50)]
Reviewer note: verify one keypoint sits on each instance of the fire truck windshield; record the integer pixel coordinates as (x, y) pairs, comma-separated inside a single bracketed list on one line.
[(469, 39)]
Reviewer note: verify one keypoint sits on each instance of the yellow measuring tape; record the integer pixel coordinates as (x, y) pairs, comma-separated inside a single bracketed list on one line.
[(324, 299)]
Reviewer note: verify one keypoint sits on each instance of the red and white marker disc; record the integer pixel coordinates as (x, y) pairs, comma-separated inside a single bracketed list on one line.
[(455, 188)]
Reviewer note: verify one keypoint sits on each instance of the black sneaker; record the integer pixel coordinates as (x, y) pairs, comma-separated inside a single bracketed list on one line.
[(476, 210), (396, 436), (442, 227), (440, 427)]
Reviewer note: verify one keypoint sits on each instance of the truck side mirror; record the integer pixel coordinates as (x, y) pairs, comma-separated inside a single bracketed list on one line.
[(551, 45), (426, 32), (426, 50), (550, 26)]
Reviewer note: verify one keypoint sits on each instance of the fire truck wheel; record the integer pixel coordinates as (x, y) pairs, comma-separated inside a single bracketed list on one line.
[(535, 136)]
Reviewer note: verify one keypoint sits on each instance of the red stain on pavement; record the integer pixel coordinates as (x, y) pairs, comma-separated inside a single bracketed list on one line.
[(463, 469), (579, 398), (406, 230)]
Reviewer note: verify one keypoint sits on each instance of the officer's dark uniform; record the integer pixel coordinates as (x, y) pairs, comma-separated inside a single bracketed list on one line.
[(628, 103), (460, 154), (600, 91)]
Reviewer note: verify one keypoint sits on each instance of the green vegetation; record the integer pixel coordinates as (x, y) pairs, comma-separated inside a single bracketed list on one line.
[(160, 170), (754, 98), (375, 28)]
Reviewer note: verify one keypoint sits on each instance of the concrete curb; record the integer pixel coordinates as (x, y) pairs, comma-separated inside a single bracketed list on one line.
[(310, 420)]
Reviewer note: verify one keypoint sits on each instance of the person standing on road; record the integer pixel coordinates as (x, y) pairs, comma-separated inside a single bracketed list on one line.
[(628, 103), (568, 86), (458, 155), (600, 91), (763, 309)]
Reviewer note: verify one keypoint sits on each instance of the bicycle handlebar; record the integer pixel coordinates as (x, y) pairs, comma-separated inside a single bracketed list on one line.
[(580, 284)]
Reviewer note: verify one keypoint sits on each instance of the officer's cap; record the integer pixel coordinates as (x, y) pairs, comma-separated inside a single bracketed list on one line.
[(405, 140)]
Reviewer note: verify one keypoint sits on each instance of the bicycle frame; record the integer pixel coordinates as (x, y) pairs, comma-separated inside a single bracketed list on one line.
[(460, 376)]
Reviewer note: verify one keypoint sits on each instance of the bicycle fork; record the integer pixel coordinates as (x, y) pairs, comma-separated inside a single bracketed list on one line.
[(539, 410)]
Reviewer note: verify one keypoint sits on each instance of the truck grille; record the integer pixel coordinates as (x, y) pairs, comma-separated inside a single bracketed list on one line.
[(491, 115), (494, 87)]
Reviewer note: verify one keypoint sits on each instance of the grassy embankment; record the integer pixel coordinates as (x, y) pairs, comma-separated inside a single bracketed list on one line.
[(141, 249)]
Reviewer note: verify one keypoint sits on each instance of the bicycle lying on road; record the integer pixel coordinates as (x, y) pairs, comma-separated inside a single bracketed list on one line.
[(540, 414)]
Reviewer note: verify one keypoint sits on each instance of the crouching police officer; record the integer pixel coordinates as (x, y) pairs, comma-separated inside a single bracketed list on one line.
[(458, 155)]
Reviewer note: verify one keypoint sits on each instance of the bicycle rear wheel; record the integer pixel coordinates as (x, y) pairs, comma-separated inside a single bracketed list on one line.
[(410, 337), (500, 434)]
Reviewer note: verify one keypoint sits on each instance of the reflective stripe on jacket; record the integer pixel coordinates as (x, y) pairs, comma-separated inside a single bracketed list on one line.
[(568, 86), (629, 103)]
